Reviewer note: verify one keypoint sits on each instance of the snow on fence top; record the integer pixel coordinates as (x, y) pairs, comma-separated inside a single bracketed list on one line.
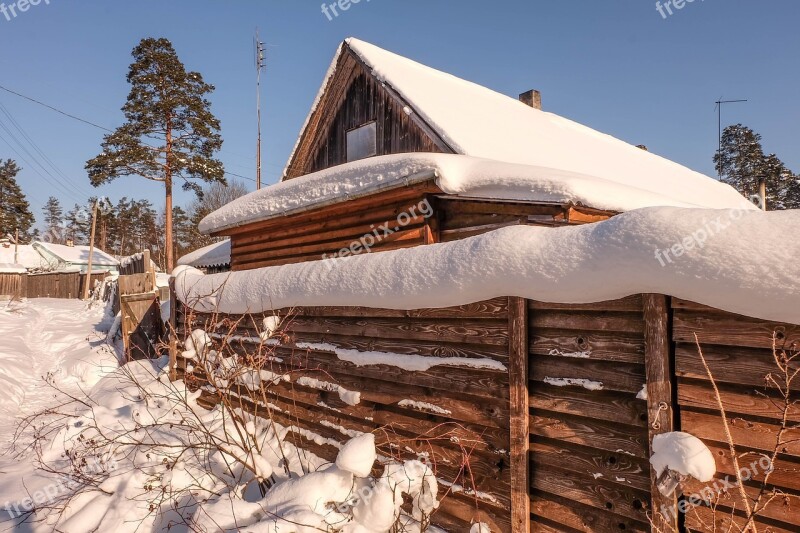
[(740, 261), (213, 255), (466, 177)]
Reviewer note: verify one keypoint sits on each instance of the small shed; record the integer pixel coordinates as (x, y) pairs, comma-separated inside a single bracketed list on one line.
[(210, 259), (62, 257)]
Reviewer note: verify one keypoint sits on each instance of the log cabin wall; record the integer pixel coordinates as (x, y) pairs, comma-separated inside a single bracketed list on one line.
[(456, 416), (325, 231)]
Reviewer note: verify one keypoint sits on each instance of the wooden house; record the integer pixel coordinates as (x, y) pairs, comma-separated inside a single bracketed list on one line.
[(538, 414)]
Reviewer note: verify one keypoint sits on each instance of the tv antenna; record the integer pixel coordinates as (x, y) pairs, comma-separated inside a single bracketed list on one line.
[(261, 64), (718, 109)]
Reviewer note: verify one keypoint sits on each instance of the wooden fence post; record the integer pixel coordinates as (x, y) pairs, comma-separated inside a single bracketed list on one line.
[(173, 331), (520, 414), (657, 354)]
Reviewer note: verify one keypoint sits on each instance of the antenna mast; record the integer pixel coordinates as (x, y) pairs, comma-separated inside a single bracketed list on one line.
[(261, 63), (720, 103)]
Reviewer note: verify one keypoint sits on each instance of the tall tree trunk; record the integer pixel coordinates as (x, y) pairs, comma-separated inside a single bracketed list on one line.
[(168, 215)]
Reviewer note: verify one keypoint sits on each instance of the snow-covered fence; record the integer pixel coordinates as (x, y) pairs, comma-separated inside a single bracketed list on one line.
[(519, 402), (13, 285), (430, 384)]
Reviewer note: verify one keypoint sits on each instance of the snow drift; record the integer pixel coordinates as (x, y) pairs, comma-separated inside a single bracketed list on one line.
[(740, 261)]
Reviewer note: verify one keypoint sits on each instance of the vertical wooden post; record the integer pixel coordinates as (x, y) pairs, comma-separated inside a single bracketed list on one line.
[(657, 355), (86, 287), (520, 414), (173, 331)]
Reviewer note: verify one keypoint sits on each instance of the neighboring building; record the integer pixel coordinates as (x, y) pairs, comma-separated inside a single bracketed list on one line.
[(23, 257), (211, 259), (61, 257)]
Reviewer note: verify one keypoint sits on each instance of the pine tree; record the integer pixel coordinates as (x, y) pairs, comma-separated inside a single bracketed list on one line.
[(53, 220), (742, 164), (214, 197), (15, 211), (167, 106), (78, 225)]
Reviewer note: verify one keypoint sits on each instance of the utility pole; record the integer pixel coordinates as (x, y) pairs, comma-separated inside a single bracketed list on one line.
[(16, 246), (720, 103), (91, 253), (260, 65)]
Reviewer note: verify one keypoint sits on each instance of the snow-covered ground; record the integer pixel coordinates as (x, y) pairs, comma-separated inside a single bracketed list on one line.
[(124, 449), (59, 340)]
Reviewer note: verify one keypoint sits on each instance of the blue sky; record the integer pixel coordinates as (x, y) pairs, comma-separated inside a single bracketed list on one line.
[(615, 65)]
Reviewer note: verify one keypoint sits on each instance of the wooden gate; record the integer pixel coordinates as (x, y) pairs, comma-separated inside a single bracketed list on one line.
[(142, 327)]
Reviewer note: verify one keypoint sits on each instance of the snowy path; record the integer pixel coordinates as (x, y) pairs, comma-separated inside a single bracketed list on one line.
[(39, 337)]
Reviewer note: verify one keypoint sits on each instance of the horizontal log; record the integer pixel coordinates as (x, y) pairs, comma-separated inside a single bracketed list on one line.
[(580, 517), (452, 207), (606, 436), (621, 377), (598, 345), (316, 218), (610, 406), (583, 461), (785, 476), (732, 330), (596, 493), (588, 322)]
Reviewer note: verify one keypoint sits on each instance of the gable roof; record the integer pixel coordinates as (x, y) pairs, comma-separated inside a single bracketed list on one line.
[(476, 121), (78, 255), (27, 256)]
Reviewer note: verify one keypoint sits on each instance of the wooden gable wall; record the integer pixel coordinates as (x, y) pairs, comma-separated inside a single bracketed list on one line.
[(353, 97)]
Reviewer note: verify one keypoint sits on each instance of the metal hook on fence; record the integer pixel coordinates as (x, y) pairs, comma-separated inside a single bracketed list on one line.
[(662, 407)]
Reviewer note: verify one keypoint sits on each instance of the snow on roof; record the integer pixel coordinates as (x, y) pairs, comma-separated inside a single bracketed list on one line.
[(77, 254), (27, 256), (213, 255), (455, 174), (11, 268), (741, 261), (477, 121)]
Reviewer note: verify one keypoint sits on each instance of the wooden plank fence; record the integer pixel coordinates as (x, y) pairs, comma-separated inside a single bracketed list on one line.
[(64, 285), (561, 440)]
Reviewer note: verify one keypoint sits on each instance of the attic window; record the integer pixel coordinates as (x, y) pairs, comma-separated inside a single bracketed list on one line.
[(362, 142)]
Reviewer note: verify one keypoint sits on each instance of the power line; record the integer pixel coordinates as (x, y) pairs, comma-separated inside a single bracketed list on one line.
[(89, 122)]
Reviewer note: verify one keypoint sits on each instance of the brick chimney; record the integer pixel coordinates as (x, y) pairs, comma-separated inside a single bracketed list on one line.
[(532, 98)]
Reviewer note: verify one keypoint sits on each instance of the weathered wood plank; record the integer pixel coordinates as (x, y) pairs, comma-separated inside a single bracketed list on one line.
[(738, 401), (739, 366), (597, 345), (746, 433), (610, 406), (584, 461), (622, 377), (597, 493), (704, 519), (596, 434), (733, 330), (519, 413), (632, 304), (581, 517), (596, 321), (660, 403)]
